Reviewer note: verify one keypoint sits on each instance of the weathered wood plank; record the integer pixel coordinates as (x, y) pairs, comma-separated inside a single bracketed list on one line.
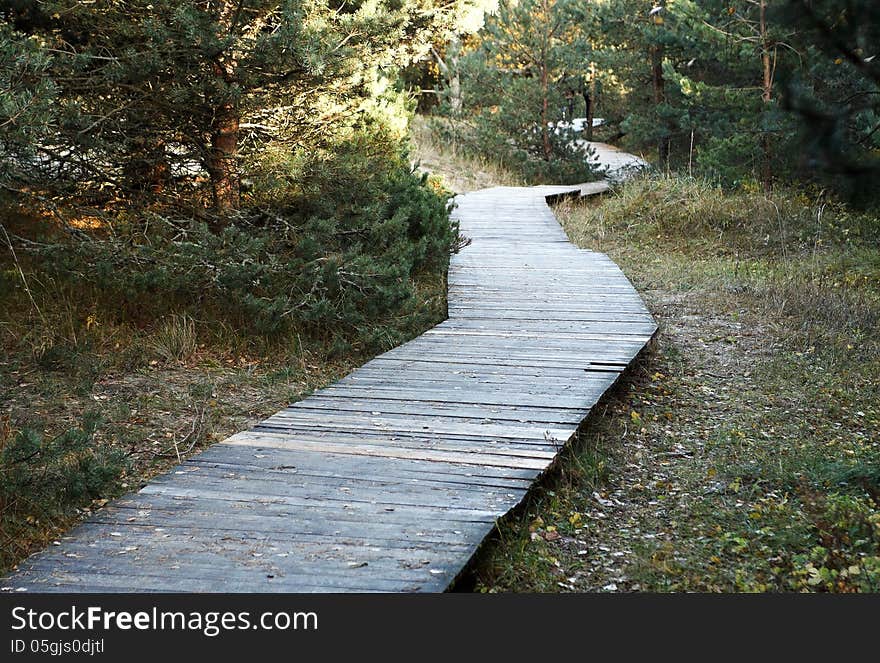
[(291, 442), (341, 465)]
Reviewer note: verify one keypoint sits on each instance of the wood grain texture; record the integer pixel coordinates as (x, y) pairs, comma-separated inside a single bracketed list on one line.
[(389, 479)]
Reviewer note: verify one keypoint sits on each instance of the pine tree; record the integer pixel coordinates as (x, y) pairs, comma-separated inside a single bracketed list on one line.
[(641, 43), (836, 93), (147, 88), (517, 80), (26, 101)]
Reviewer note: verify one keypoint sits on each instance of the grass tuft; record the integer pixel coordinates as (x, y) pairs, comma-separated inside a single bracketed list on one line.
[(175, 339)]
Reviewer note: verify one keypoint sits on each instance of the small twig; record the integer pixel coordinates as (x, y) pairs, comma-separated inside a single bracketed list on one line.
[(21, 273), (192, 437)]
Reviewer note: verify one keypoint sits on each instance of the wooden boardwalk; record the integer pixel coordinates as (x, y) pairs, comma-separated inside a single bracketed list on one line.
[(618, 164), (389, 479)]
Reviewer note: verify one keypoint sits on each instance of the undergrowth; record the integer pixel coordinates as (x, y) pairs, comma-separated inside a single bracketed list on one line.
[(448, 159), (46, 480), (481, 145)]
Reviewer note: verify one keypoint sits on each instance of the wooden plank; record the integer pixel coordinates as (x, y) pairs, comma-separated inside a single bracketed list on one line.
[(341, 564), (251, 486), (329, 478), (283, 425), (417, 504), (328, 403), (428, 367), (278, 520), (341, 465), (480, 395), (312, 486), (146, 535), (267, 441), (473, 377), (453, 363), (241, 581), (544, 448)]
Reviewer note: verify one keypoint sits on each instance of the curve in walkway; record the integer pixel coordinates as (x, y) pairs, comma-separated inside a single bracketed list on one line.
[(389, 479)]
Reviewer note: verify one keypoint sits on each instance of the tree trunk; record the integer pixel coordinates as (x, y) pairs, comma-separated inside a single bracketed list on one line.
[(222, 160), (588, 113), (767, 97), (545, 111), (160, 171), (147, 169), (454, 75), (590, 99), (455, 100), (659, 86)]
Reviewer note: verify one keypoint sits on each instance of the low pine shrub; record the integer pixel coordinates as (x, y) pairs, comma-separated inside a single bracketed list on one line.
[(43, 481), (330, 246)]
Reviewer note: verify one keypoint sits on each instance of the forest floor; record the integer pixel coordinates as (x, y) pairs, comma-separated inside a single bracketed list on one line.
[(741, 452)]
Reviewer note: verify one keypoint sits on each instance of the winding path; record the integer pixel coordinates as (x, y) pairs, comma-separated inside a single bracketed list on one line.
[(389, 479)]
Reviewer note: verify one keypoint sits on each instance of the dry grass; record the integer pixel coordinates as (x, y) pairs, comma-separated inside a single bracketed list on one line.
[(456, 171), (159, 397), (175, 339)]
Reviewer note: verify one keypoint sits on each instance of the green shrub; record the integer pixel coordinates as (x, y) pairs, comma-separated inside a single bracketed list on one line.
[(330, 246), (517, 143), (45, 480), (513, 144)]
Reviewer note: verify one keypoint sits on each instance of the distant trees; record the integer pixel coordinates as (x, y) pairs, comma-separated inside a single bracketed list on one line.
[(524, 42), (738, 90), (836, 93), (512, 84), (132, 100), (698, 80), (635, 41)]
